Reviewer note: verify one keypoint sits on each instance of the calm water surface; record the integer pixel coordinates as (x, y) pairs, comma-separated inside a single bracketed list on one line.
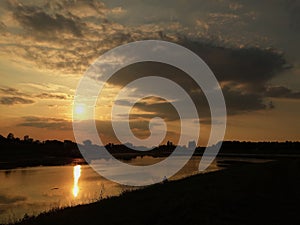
[(34, 190)]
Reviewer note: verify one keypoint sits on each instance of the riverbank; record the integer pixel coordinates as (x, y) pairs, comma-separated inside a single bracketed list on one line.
[(17, 153), (62, 161), (267, 193)]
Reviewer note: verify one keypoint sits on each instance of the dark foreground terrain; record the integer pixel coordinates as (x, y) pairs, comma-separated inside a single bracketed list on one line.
[(266, 194)]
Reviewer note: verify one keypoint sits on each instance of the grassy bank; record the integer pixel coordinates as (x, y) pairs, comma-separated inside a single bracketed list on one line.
[(266, 193)]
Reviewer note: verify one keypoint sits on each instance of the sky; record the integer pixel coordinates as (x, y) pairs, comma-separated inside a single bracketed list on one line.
[(252, 47)]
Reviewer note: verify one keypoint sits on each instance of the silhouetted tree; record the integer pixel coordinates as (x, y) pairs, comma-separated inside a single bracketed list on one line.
[(87, 142), (10, 137)]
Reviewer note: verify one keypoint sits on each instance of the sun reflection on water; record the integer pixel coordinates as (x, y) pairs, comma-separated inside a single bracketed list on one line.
[(76, 175)]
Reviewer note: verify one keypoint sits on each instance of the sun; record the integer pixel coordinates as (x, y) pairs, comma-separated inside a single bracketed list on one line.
[(80, 112)]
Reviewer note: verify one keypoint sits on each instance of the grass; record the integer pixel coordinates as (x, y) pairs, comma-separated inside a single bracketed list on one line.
[(267, 194)]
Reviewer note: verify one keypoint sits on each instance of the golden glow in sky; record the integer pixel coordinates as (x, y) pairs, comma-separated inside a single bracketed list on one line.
[(253, 53)]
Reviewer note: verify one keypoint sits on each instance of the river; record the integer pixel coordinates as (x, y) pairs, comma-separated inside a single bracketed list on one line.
[(33, 190)]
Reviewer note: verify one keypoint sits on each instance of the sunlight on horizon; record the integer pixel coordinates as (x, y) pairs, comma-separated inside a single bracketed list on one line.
[(76, 175)]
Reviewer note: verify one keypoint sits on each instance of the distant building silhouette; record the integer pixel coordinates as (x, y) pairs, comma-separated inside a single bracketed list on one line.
[(169, 143)]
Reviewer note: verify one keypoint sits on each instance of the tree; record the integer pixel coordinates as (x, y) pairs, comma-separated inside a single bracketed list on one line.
[(26, 138), (87, 142), (10, 137)]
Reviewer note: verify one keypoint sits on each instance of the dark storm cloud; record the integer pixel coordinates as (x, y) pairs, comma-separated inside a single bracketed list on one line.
[(70, 34), (236, 102), (281, 92), (243, 71), (154, 106), (45, 122), (7, 100), (2, 27), (52, 96), (207, 121), (12, 91), (12, 96), (244, 74), (100, 34), (250, 66), (162, 109), (36, 19), (293, 7), (139, 127), (239, 102)]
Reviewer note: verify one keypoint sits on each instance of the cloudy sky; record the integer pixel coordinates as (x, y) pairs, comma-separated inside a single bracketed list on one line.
[(251, 46)]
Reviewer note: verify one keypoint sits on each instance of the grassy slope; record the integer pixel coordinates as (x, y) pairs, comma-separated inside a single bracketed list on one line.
[(255, 194)]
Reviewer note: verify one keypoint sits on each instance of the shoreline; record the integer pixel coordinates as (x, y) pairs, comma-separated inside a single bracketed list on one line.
[(262, 193), (55, 161)]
